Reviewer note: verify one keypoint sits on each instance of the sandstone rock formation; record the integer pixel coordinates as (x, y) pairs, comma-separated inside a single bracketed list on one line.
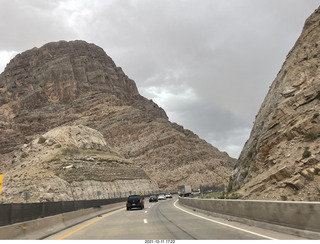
[(46, 92), (72, 163), (281, 159)]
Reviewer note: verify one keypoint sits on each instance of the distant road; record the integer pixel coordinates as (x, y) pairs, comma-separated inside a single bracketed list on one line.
[(164, 220)]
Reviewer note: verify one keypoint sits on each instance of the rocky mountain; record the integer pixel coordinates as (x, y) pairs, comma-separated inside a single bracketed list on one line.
[(281, 159), (71, 122)]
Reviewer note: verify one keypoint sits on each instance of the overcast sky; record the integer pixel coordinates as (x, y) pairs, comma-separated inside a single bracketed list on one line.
[(208, 63)]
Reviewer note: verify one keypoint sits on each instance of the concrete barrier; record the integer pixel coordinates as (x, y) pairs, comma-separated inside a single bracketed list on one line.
[(298, 215), (43, 227)]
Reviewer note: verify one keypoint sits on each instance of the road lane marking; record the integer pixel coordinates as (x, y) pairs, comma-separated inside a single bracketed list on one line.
[(217, 222), (145, 221), (145, 211), (106, 215)]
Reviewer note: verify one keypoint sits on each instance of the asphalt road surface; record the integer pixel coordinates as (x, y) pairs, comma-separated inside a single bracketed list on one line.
[(164, 220)]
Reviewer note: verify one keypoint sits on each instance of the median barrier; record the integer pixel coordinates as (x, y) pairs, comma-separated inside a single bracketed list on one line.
[(43, 227), (293, 216)]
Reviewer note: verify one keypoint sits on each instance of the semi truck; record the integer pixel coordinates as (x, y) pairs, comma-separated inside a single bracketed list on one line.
[(184, 191)]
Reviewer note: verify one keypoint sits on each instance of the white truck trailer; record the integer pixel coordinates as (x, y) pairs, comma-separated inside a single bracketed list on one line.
[(184, 191)]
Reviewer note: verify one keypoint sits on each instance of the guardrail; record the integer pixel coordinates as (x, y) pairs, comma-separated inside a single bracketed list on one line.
[(298, 215)]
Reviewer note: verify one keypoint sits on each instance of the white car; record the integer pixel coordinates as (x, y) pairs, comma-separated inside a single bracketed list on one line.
[(168, 195), (162, 197)]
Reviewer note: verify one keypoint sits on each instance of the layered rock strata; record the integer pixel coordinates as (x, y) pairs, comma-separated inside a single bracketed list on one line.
[(281, 159), (77, 84)]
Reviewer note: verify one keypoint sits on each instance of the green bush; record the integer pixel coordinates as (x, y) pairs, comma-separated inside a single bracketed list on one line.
[(306, 153), (235, 195)]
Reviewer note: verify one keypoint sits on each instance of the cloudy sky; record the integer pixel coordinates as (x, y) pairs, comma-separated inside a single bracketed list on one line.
[(208, 63)]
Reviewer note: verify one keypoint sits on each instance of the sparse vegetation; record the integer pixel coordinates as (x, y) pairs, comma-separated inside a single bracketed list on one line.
[(244, 174), (234, 195), (290, 137), (284, 198), (312, 136), (222, 195), (309, 177), (306, 153)]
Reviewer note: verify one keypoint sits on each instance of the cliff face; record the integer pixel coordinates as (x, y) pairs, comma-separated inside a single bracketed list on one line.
[(47, 87), (77, 84), (281, 159)]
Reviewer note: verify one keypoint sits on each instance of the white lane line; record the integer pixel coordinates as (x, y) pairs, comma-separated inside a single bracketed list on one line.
[(217, 222), (145, 211), (145, 221)]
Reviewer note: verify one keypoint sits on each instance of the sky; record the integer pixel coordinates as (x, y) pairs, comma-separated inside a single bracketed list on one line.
[(207, 63)]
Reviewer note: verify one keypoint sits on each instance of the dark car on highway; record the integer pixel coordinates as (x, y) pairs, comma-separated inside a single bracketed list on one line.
[(135, 201), (153, 199)]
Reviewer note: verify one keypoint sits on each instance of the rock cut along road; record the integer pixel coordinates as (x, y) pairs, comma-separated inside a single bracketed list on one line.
[(163, 220)]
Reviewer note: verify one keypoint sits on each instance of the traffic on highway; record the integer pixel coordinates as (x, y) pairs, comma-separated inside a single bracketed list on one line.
[(163, 220)]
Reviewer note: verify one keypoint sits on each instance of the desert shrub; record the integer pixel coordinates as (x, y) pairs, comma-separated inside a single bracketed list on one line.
[(234, 195), (312, 135), (309, 177), (306, 153)]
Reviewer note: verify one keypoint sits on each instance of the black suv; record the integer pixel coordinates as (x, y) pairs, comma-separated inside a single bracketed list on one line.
[(135, 201), (153, 199)]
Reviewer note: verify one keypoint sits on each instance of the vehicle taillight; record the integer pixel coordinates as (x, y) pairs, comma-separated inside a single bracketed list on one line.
[(127, 202), (140, 200)]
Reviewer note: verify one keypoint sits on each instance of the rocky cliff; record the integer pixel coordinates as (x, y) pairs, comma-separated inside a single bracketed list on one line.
[(281, 159), (73, 88)]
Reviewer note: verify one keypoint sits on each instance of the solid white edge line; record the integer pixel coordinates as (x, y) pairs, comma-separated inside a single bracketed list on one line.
[(217, 222)]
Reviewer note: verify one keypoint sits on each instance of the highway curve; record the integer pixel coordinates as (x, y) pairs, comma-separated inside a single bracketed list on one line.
[(163, 220)]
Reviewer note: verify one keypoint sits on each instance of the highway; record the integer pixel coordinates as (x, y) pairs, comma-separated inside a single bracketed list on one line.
[(164, 220)]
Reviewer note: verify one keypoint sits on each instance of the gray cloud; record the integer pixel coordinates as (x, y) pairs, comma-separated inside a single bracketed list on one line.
[(208, 63)]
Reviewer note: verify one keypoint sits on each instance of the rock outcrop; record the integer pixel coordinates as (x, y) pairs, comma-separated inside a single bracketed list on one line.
[(72, 163), (281, 159), (45, 90)]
